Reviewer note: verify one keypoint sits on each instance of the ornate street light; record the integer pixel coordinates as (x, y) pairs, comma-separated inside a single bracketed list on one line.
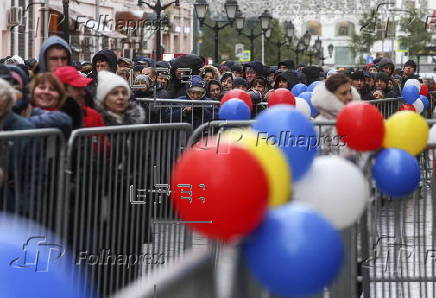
[(231, 6), (265, 20), (290, 30), (317, 46), (306, 39), (240, 20)]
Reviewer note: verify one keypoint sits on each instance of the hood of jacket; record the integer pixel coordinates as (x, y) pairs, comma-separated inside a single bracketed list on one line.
[(384, 62), (325, 101), (21, 105), (49, 42), (105, 55), (258, 67), (290, 76), (288, 63), (194, 62)]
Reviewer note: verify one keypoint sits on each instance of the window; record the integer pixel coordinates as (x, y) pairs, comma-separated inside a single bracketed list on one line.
[(344, 29), (314, 27), (344, 56)]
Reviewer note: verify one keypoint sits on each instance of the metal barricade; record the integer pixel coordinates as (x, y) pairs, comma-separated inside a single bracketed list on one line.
[(387, 106), (121, 223), (195, 112), (31, 175)]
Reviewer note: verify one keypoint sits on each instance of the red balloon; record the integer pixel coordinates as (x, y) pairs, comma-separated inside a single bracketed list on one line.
[(407, 108), (237, 93), (361, 126), (281, 96), (424, 90), (229, 188)]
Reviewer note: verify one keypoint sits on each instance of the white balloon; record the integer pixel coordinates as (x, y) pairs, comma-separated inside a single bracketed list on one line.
[(336, 188), (302, 106), (432, 135), (413, 82), (419, 105)]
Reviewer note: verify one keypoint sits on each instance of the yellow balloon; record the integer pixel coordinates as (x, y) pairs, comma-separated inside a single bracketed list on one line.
[(406, 130), (272, 161)]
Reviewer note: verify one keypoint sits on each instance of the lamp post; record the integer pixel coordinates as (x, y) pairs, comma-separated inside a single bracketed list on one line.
[(265, 22), (158, 8), (201, 7), (316, 49), (66, 21), (302, 45), (289, 34)]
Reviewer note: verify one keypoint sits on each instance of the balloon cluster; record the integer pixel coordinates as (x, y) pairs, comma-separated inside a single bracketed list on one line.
[(249, 177), (395, 171), (237, 104), (415, 96)]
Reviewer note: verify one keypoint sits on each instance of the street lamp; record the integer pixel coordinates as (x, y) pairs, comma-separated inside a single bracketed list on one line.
[(66, 21), (265, 23), (289, 34), (158, 8), (330, 49), (306, 39), (201, 7)]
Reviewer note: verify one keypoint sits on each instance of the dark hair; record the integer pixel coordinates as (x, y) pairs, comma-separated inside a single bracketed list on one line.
[(333, 82), (258, 80)]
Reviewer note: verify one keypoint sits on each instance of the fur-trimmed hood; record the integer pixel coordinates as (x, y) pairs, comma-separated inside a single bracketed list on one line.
[(327, 102), (133, 115), (212, 69)]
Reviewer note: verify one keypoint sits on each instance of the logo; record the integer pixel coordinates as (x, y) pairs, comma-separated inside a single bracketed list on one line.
[(38, 254)]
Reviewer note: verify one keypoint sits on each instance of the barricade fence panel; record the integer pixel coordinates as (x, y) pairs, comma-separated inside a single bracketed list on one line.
[(195, 112), (387, 106), (31, 172), (118, 188)]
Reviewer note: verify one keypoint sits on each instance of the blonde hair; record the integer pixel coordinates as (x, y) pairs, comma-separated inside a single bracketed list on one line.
[(7, 93), (44, 77)]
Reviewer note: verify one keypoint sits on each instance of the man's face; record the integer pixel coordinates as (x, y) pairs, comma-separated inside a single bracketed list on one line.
[(358, 84), (408, 70), (215, 91), (369, 82), (148, 71), (195, 94), (271, 77), (283, 68), (387, 69), (102, 66), (259, 88), (283, 84), (56, 58), (250, 75), (237, 74), (380, 85), (372, 69)]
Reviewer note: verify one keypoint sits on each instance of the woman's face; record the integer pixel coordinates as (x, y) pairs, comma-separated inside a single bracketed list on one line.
[(343, 93), (46, 96), (208, 76), (227, 84), (259, 88), (283, 84), (117, 100)]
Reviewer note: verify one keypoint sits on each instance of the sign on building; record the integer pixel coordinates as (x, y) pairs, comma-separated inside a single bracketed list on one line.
[(246, 56)]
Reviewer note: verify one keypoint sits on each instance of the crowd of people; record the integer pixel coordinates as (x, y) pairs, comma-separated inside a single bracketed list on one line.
[(57, 92)]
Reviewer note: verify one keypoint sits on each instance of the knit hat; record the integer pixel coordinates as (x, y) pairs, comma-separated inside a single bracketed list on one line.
[(107, 81), (410, 63), (357, 75)]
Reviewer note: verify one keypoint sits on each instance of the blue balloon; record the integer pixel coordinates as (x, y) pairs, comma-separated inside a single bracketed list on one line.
[(34, 263), (425, 101), (234, 109), (307, 96), (312, 86), (299, 88), (396, 172), (294, 252), (293, 133), (410, 94)]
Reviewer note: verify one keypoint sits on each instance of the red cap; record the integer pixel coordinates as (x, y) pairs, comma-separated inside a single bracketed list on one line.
[(70, 76)]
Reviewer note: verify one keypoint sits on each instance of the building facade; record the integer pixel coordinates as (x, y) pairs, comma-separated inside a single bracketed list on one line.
[(93, 25)]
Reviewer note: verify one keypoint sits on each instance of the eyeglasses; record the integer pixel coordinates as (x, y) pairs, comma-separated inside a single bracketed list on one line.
[(63, 58)]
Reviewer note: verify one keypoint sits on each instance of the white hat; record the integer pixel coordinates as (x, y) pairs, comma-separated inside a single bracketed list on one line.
[(107, 81)]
